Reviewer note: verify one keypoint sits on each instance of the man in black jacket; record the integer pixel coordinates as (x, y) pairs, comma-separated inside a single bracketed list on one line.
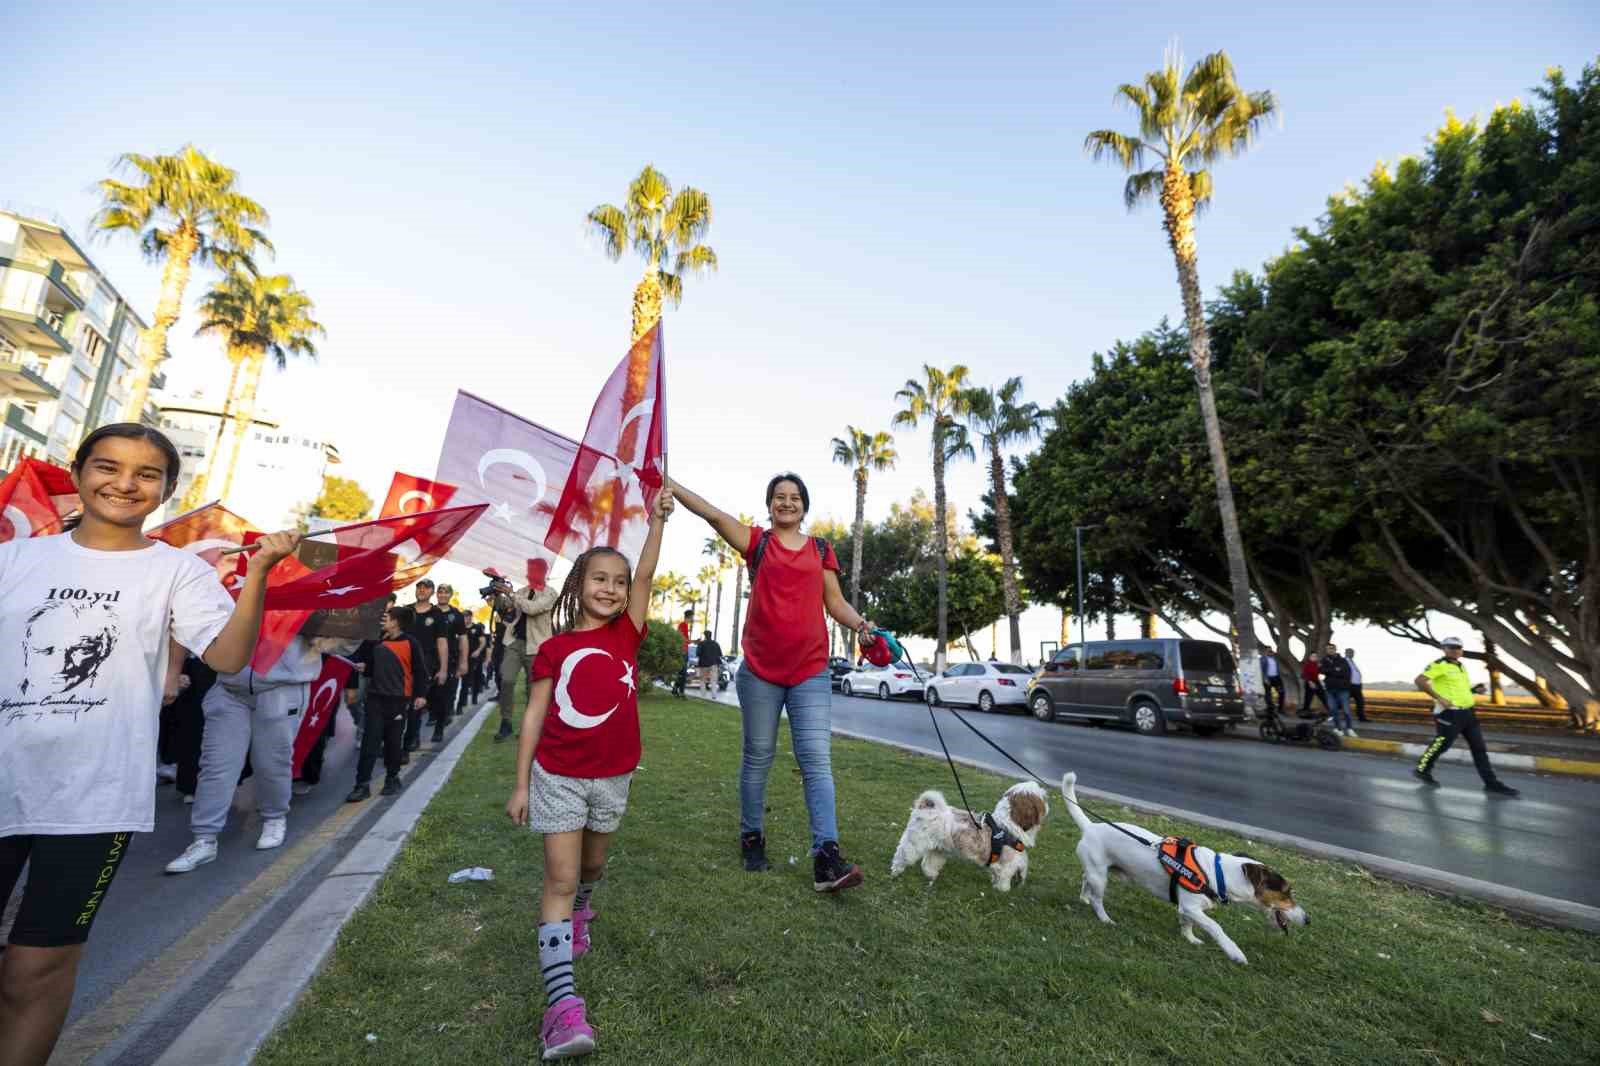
[(1335, 670), (397, 679), (709, 659)]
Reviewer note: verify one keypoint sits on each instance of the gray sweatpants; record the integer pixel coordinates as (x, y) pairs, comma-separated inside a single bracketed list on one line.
[(513, 696), (264, 724)]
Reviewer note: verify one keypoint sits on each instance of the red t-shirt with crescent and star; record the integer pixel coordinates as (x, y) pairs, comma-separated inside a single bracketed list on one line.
[(592, 726)]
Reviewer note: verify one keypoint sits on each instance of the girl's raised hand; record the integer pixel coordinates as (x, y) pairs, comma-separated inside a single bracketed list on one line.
[(665, 503), (517, 807)]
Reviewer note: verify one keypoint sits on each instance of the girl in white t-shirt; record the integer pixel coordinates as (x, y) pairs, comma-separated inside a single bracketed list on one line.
[(85, 618)]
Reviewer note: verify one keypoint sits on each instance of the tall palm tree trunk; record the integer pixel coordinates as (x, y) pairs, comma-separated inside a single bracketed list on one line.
[(716, 624), (1008, 563), (197, 489), (1147, 626), (941, 564), (1177, 202), (646, 303), (856, 533), (738, 603), (243, 415), (153, 345)]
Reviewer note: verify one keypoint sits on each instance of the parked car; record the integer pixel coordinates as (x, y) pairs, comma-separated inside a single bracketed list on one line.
[(988, 686), (1148, 684), (838, 666), (885, 682)]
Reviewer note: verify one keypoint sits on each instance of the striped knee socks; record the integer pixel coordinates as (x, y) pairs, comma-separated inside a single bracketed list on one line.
[(555, 960)]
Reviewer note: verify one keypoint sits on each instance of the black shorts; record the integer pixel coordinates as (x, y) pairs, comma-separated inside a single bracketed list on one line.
[(68, 878)]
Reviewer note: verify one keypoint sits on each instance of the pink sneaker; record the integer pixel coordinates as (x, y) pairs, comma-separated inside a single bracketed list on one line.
[(580, 931), (566, 1031)]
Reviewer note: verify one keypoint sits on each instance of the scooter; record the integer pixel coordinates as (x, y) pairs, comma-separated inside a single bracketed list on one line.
[(1276, 730)]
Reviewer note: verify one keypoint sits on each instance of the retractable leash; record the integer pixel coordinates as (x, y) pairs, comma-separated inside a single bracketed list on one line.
[(882, 649)]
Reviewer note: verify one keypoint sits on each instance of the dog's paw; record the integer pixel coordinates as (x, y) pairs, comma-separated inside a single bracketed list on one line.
[(1238, 956)]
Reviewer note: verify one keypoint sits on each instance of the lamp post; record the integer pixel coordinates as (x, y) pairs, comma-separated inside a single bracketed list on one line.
[(1077, 532)]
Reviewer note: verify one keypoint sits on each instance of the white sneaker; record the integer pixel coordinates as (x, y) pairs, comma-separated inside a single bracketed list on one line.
[(272, 831), (167, 771), (301, 788), (1351, 733), (202, 851)]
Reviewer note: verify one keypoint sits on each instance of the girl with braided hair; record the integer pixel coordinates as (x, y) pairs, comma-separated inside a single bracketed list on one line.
[(579, 748)]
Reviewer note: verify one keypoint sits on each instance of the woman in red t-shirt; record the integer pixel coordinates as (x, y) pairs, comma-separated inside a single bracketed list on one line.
[(786, 666)]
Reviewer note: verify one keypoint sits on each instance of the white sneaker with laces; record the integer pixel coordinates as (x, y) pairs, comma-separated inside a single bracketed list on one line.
[(272, 832), (202, 851), (1351, 733)]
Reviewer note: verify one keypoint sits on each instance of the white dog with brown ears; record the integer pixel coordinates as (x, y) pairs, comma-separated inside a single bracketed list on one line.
[(937, 831), (1106, 849)]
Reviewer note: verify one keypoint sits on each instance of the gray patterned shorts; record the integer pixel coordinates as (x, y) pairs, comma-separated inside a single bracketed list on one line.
[(559, 804)]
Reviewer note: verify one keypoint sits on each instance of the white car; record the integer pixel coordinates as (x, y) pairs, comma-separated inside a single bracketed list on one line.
[(987, 686), (885, 682)]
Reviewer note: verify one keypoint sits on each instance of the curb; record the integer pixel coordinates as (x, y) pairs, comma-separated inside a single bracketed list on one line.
[(235, 1024), (1549, 909), (1509, 761)]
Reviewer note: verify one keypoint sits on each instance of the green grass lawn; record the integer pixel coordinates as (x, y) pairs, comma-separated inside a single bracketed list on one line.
[(696, 961)]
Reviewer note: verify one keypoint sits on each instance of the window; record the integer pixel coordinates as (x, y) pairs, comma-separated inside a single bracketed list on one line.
[(93, 345), (1206, 656), (77, 386), (1066, 659), (1007, 668)]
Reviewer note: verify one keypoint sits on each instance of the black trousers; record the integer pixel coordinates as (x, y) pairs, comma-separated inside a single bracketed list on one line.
[(1458, 722), (1308, 689), (385, 726), (1359, 699), (1274, 687)]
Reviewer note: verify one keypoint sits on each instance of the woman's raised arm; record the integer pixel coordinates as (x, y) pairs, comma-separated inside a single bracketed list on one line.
[(729, 528)]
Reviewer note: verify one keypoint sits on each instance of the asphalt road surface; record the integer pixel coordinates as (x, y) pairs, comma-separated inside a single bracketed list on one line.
[(1370, 803)]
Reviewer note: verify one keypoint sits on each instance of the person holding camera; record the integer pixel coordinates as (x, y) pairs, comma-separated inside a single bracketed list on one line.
[(527, 617)]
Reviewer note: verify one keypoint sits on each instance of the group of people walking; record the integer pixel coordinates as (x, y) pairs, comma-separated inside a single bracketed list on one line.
[(1330, 678)]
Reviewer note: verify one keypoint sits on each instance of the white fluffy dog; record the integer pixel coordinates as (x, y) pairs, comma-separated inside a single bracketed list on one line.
[(937, 831), (1104, 850)]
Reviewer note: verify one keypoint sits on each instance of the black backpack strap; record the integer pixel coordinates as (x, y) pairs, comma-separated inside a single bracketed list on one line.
[(756, 554), (822, 548)]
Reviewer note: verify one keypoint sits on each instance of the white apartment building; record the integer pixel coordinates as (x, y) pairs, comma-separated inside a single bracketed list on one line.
[(68, 343), (280, 466)]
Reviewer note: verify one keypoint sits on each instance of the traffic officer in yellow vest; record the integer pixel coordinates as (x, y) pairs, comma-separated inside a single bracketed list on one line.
[(1454, 715)]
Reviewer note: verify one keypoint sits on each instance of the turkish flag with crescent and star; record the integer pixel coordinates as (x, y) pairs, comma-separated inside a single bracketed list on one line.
[(34, 498), (374, 559), (206, 532), (622, 461), (321, 706), (409, 494), (517, 468)]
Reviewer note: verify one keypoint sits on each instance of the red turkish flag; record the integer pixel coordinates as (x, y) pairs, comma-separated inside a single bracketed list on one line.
[(206, 532), (622, 462), (409, 494), (320, 708), (34, 498), (375, 559)]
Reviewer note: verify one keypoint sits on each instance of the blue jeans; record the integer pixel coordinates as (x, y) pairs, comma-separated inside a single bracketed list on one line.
[(1339, 703), (810, 706)]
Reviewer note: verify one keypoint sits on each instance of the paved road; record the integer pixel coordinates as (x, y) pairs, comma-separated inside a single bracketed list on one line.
[(1537, 843)]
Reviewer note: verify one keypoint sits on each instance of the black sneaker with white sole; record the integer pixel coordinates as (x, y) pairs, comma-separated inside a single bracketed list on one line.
[(753, 849), (831, 873)]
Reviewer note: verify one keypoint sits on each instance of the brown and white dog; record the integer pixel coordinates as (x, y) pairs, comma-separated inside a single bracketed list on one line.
[(1103, 851), (937, 831)]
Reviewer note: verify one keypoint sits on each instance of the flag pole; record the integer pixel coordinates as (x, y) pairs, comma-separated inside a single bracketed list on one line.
[(307, 536)]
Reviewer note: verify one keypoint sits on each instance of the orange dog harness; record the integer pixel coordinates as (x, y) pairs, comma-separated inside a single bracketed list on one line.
[(1183, 869)]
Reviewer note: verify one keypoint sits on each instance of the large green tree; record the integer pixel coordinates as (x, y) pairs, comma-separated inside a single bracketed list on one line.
[(940, 399), (1002, 419), (184, 210), (1187, 123), (863, 453)]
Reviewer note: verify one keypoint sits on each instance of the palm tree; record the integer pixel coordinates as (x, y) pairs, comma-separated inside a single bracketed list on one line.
[(723, 558), (665, 230), (941, 398), (862, 452), (709, 576), (738, 589), (261, 316), (1001, 419), (1187, 123), (185, 211)]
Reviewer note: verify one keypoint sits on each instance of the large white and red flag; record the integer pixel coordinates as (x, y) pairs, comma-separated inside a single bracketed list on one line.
[(622, 462), (409, 494), (516, 468), (34, 498), (374, 559), (320, 708), (210, 530)]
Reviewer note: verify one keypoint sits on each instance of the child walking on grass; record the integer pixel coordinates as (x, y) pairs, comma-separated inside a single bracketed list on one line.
[(574, 766)]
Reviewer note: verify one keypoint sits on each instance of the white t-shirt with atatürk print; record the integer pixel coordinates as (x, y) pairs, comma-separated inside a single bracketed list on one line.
[(83, 655)]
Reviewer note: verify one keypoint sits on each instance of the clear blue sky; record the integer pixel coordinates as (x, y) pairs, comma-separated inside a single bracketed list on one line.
[(893, 184)]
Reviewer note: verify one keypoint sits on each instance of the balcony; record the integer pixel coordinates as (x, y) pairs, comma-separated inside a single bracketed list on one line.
[(17, 420), (20, 377), (60, 291), (33, 308)]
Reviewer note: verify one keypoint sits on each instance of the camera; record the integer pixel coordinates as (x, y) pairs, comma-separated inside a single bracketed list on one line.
[(497, 586)]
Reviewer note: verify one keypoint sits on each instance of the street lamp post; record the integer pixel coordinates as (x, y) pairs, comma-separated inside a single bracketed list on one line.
[(1077, 532)]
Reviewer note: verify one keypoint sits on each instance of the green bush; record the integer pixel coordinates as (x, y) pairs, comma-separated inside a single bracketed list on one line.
[(661, 654)]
